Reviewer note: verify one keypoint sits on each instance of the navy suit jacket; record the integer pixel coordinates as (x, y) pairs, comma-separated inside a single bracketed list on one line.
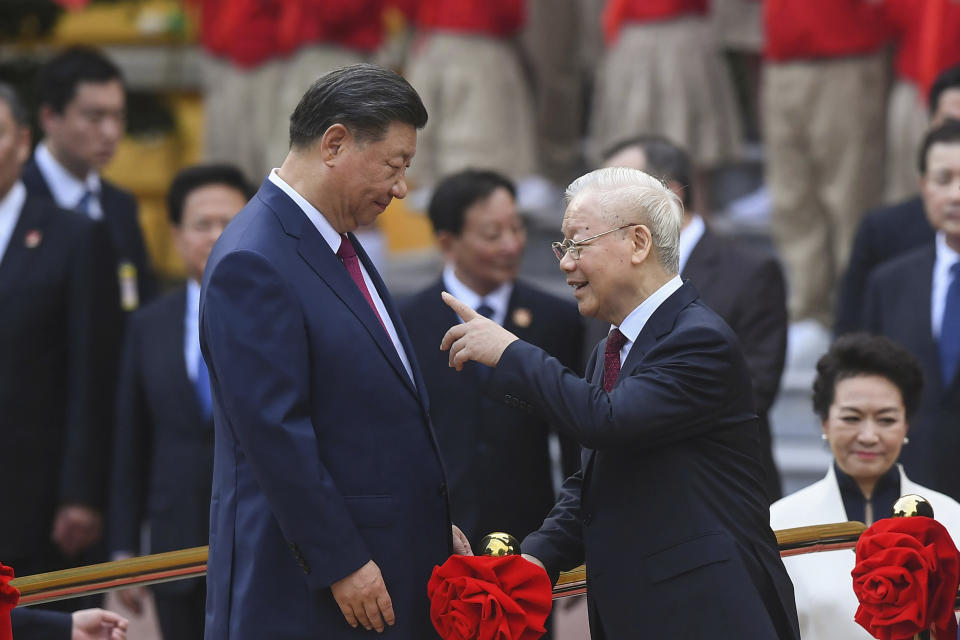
[(37, 624), (497, 457), (121, 221), (746, 288), (898, 306), (163, 444), (50, 428), (668, 509), (883, 234), (324, 455)]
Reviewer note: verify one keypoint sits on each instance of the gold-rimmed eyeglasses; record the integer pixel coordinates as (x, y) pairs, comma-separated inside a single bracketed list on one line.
[(572, 247)]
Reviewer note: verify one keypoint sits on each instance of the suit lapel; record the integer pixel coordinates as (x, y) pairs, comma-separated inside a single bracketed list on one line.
[(175, 340), (919, 301), (32, 220), (660, 324), (701, 265), (315, 251)]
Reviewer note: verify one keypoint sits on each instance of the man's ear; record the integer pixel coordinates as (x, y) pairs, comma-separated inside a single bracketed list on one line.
[(445, 241), (333, 142), (45, 116), (642, 241)]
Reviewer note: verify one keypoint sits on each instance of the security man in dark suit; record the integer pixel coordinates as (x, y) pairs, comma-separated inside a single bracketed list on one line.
[(52, 441), (743, 285), (497, 457), (163, 442)]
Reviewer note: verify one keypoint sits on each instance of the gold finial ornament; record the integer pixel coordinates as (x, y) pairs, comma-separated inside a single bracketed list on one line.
[(499, 544), (912, 505)]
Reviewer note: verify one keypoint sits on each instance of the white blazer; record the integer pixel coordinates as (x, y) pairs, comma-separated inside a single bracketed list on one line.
[(822, 583)]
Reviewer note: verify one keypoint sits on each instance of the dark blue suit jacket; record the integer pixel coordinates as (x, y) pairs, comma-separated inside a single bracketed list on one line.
[(883, 234), (37, 624), (324, 455), (668, 509), (163, 444), (50, 427), (898, 306), (497, 457)]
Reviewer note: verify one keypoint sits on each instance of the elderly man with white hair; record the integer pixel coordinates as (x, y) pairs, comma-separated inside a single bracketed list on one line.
[(668, 508)]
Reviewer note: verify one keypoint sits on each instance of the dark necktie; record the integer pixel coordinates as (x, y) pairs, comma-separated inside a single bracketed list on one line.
[(485, 310), (202, 386), (85, 203), (950, 329), (348, 255), (611, 358)]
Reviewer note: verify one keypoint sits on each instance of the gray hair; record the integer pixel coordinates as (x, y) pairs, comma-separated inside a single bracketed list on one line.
[(8, 95), (629, 195)]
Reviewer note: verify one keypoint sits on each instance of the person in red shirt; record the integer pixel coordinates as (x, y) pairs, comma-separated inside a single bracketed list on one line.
[(927, 38), (465, 66), (823, 108), (663, 74)]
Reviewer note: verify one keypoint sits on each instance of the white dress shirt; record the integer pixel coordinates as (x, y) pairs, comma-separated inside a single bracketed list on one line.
[(10, 208), (333, 239), (66, 188), (498, 299), (689, 237), (946, 258), (633, 324), (191, 329)]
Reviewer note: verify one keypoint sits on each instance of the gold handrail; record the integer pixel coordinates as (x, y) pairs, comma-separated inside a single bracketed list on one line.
[(191, 563)]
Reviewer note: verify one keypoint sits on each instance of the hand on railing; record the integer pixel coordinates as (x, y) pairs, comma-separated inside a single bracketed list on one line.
[(76, 527), (461, 546)]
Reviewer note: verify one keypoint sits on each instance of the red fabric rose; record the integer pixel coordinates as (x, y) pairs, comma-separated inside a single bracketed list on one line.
[(906, 578), (489, 598), (9, 597)]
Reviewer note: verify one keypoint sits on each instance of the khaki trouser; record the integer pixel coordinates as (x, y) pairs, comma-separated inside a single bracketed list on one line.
[(248, 110), (479, 106), (824, 133), (907, 122)]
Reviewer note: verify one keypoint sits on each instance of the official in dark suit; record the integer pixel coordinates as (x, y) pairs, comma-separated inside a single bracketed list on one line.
[(743, 285), (890, 231), (164, 413), (82, 112), (668, 509), (497, 457), (329, 505), (52, 442), (914, 299)]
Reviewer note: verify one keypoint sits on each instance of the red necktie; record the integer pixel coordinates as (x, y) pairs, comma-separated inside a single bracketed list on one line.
[(611, 358), (348, 255)]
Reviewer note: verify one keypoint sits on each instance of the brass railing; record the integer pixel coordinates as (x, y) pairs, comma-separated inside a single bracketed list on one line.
[(191, 563)]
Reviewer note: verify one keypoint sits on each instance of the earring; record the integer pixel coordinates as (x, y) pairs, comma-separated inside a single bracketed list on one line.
[(823, 437), (906, 439)]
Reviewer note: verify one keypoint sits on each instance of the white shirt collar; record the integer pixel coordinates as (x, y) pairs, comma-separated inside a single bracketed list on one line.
[(10, 208), (498, 299), (321, 223), (946, 258), (689, 237), (637, 319), (66, 188)]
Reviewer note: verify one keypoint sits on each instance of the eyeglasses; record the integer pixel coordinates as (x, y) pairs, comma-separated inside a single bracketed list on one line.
[(573, 247)]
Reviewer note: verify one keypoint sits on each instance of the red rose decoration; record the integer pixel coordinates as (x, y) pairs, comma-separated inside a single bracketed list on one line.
[(9, 597), (906, 578), (489, 598)]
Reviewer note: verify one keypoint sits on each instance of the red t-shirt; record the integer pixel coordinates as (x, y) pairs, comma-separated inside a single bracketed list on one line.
[(618, 12), (807, 29), (927, 33), (489, 17)]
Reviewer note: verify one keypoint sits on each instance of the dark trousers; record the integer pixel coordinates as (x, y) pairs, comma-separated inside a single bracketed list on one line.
[(181, 615)]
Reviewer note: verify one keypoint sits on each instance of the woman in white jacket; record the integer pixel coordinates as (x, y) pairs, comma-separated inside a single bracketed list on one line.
[(865, 391)]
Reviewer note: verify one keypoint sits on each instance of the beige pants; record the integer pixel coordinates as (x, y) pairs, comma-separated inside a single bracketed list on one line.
[(479, 106), (667, 78), (248, 110), (907, 122), (824, 134)]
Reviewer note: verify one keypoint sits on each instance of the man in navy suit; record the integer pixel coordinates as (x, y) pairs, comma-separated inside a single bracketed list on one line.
[(164, 414), (329, 506), (890, 231), (82, 112), (743, 285), (50, 435), (913, 299), (668, 508), (497, 457)]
